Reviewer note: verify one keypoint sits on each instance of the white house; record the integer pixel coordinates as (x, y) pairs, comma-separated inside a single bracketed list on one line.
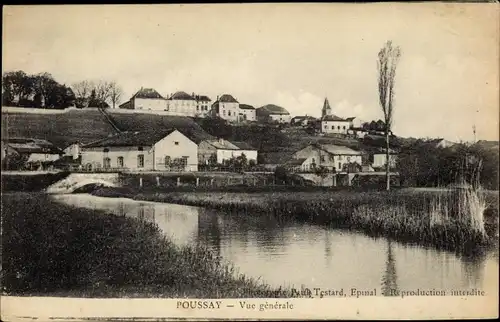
[(271, 113), (334, 124), (220, 150), (331, 156), (378, 158), (227, 108), (203, 105), (181, 103), (355, 122), (146, 99), (34, 150), (247, 113), (168, 150)]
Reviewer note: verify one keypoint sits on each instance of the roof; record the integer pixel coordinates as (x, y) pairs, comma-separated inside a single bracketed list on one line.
[(247, 107), (181, 96), (226, 98), (147, 138), (350, 118), (149, 93), (299, 161), (202, 98), (243, 145), (223, 144), (274, 109), (303, 117), (333, 118), (31, 145), (337, 149)]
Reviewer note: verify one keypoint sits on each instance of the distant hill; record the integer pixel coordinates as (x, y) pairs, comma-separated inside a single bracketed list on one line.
[(87, 125)]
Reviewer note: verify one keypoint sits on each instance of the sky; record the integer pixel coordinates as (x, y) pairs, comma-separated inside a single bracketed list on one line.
[(292, 55)]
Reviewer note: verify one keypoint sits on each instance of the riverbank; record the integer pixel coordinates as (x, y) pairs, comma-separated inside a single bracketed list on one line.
[(52, 249), (453, 220)]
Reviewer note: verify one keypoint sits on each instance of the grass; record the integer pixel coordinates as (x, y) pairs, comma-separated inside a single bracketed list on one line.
[(404, 215), (30, 183), (54, 249)]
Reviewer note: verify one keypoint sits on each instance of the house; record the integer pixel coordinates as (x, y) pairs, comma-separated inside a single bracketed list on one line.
[(334, 124), (146, 99), (73, 150), (219, 150), (202, 105), (271, 113), (247, 113), (378, 158), (331, 156), (167, 150), (227, 108), (181, 103), (355, 122), (302, 120), (32, 150)]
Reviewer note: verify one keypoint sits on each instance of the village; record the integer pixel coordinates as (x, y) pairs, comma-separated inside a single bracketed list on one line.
[(177, 150)]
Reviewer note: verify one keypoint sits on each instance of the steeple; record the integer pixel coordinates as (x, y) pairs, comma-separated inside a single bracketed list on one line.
[(327, 110)]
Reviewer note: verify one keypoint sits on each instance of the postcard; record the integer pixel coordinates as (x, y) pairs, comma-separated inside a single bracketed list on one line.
[(250, 161)]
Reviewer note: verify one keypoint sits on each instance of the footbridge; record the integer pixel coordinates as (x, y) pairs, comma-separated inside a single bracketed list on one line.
[(78, 180)]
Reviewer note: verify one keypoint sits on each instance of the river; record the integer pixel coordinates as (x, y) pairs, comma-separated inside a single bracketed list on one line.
[(297, 254)]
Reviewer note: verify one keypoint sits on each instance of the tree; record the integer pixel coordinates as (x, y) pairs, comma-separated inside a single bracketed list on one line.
[(116, 93), (82, 91), (388, 58)]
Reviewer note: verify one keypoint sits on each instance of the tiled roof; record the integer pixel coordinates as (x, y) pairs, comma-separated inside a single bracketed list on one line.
[(131, 139), (202, 98), (247, 107), (274, 109), (243, 145), (147, 93), (181, 96), (223, 144), (30, 145), (332, 118), (226, 98), (338, 149)]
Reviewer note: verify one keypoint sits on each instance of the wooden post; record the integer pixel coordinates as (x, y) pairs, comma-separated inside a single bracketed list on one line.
[(254, 181), (140, 182), (157, 181), (334, 179), (197, 182), (178, 181), (212, 182)]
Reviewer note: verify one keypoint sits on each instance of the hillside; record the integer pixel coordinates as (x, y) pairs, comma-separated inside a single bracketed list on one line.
[(88, 125)]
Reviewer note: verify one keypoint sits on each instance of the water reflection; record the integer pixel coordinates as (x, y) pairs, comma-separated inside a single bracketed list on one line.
[(294, 254)]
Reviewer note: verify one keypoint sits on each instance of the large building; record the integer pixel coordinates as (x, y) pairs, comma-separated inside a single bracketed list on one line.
[(146, 99), (271, 113), (203, 106), (247, 113), (181, 103), (168, 150), (331, 123), (31, 150), (330, 156), (227, 108)]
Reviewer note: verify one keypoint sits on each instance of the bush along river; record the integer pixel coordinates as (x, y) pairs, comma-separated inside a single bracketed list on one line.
[(304, 256)]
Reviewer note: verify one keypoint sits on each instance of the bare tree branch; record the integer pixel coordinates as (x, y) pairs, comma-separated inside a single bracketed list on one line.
[(115, 94)]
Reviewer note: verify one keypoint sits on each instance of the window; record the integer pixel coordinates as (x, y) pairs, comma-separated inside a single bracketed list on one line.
[(176, 143), (340, 166), (326, 126), (120, 162), (228, 113), (106, 150), (106, 163), (333, 127), (323, 159), (140, 148), (343, 127), (140, 161), (338, 127), (224, 113)]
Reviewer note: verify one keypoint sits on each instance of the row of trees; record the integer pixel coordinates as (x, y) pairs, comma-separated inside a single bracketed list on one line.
[(39, 90), (43, 91)]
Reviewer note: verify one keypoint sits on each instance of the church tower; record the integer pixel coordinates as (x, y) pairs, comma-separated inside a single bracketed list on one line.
[(327, 110)]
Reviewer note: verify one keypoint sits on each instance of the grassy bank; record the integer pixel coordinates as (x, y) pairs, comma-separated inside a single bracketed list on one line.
[(29, 182), (53, 249), (449, 220)]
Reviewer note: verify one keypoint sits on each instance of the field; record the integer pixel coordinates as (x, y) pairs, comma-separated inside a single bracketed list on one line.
[(454, 220), (89, 125), (53, 249)]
